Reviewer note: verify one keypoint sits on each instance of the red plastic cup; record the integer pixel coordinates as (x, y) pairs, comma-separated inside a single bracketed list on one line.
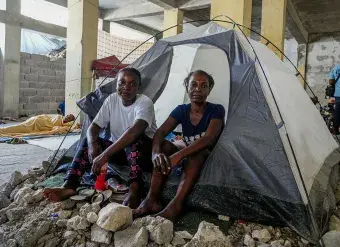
[(101, 183)]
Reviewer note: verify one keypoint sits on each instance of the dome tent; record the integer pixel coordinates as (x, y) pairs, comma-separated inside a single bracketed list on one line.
[(275, 158)]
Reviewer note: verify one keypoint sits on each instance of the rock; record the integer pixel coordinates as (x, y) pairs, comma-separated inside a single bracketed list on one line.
[(248, 241), (114, 217), (68, 242), (160, 229), (287, 244), (52, 242), (38, 195), (45, 238), (67, 204), (31, 231), (4, 201), (37, 171), (70, 234), (92, 217), (131, 237), (80, 204), (88, 208), (278, 234), (11, 243), (334, 223), (19, 196), (62, 223), (100, 235), (6, 189), (13, 193), (178, 240), (262, 235), (3, 216), (209, 235), (91, 244), (304, 241), (16, 178), (77, 223), (332, 239), (65, 214), (276, 243), (184, 235), (28, 198), (15, 213)]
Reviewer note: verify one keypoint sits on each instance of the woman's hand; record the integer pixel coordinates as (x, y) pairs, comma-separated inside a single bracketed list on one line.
[(98, 162), (175, 159), (162, 163)]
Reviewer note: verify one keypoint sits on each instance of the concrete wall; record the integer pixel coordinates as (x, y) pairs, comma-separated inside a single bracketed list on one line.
[(323, 54), (42, 84), (1, 77)]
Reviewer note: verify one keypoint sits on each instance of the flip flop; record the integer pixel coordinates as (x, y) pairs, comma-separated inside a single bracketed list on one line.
[(117, 187), (83, 194), (101, 196)]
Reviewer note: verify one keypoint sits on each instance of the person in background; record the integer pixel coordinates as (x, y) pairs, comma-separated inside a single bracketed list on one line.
[(61, 108), (202, 123), (334, 77), (132, 122)]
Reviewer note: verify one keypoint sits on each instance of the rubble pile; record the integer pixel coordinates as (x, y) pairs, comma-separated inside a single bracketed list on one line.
[(27, 220)]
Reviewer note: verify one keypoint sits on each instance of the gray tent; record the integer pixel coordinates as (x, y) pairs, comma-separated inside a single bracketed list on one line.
[(276, 161)]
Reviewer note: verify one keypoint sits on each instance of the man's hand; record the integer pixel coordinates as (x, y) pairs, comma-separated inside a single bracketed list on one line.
[(98, 162), (94, 150), (162, 163)]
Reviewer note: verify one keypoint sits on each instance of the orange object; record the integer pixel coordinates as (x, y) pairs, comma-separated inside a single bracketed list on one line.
[(101, 183)]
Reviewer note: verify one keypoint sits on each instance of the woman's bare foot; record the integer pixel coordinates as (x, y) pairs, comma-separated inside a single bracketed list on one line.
[(171, 212), (58, 194), (148, 206)]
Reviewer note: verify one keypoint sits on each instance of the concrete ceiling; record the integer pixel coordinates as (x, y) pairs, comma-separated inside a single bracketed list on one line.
[(319, 16), (112, 4)]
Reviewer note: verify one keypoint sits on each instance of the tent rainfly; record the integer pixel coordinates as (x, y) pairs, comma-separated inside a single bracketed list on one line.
[(275, 162)]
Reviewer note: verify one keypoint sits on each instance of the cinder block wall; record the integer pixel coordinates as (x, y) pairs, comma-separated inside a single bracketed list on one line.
[(42, 84)]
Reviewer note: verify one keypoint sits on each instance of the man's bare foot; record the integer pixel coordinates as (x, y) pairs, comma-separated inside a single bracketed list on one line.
[(58, 194), (148, 206), (171, 212)]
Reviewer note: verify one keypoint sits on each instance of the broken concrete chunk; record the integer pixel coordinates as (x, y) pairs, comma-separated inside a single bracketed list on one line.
[(38, 195), (78, 223), (100, 235), (92, 217), (209, 235), (67, 204), (19, 197), (262, 235), (70, 235), (88, 208), (16, 178), (178, 240), (114, 217), (4, 201), (65, 214), (6, 189), (131, 237), (15, 213)]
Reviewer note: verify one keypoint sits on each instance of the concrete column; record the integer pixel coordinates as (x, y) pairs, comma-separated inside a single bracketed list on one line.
[(104, 25), (173, 17), (82, 35), (12, 63), (302, 62), (238, 10), (274, 23)]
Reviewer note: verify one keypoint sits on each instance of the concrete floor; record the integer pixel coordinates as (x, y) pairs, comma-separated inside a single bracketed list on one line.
[(21, 157)]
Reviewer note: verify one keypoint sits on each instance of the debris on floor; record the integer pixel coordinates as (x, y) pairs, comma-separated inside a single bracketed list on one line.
[(28, 220)]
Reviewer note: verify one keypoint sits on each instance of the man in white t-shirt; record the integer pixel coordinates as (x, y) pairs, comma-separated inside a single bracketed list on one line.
[(132, 123)]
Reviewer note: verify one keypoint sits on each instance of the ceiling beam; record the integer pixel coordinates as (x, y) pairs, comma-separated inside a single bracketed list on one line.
[(196, 15), (295, 25), (32, 24), (131, 12), (195, 4), (139, 27), (165, 4), (62, 3)]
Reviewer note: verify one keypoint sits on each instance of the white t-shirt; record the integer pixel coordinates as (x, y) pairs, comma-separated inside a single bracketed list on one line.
[(123, 117)]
